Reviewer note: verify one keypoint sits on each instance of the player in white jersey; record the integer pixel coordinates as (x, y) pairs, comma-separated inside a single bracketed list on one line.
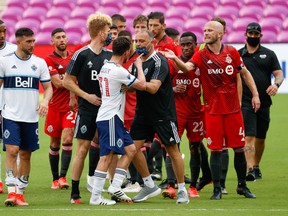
[(20, 73), (5, 48), (113, 136)]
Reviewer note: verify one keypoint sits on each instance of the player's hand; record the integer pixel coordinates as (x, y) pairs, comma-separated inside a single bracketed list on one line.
[(124, 88), (168, 54), (180, 88), (138, 61), (42, 109), (73, 104), (272, 90), (93, 99), (255, 103)]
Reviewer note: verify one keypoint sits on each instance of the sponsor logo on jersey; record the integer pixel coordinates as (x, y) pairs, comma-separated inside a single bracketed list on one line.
[(228, 59), (24, 82), (171, 139), (196, 83), (94, 75), (90, 64), (183, 81), (215, 71), (263, 56), (229, 69)]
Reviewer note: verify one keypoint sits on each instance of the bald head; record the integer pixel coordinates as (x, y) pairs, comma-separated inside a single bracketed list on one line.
[(213, 32)]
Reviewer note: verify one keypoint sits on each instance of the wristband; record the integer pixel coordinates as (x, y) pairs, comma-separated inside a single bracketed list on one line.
[(277, 84)]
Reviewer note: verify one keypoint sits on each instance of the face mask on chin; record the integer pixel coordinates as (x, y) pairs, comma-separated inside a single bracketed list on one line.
[(142, 50), (253, 41), (109, 39)]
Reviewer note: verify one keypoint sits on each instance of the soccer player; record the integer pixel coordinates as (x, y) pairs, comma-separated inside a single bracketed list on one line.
[(20, 73), (119, 21), (82, 79), (113, 136), (59, 117), (155, 113), (219, 72), (5, 48), (187, 93), (262, 63), (140, 23)]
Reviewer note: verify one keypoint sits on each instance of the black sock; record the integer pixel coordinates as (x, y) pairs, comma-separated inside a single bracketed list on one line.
[(215, 164), (54, 162), (195, 162), (224, 166), (206, 171), (170, 172), (94, 156), (155, 148), (240, 166), (75, 193), (65, 158)]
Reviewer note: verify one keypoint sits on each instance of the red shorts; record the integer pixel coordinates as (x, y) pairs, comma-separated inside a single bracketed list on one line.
[(127, 124), (228, 129), (57, 121), (194, 129)]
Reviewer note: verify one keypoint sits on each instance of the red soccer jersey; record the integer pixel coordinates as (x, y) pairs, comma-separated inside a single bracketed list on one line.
[(218, 75), (57, 67), (130, 104), (188, 104)]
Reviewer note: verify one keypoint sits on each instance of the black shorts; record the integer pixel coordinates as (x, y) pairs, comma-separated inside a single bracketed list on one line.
[(167, 132), (85, 127), (256, 124)]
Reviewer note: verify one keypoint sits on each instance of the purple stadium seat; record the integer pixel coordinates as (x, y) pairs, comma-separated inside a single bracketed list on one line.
[(241, 23), (231, 3), (285, 24), (130, 12), (85, 38), (108, 10), (37, 13), (206, 3), (195, 25), (43, 38), (76, 25), (160, 3), (82, 12), (112, 3), (252, 11), (29, 23), (23, 4), (59, 12), (268, 37), (88, 3), (149, 9), (136, 3), (12, 39), (12, 13), (41, 3), (184, 3), (178, 12), (282, 37), (283, 3), (249, 3), (236, 37), (49, 25), (74, 38), (228, 11), (276, 11), (202, 12), (174, 23), (65, 3), (271, 24)]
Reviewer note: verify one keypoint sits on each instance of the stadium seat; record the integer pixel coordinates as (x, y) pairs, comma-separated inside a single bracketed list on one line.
[(241, 23), (160, 3), (85, 38), (202, 12), (43, 38), (12, 13), (59, 12), (41, 3), (276, 11), (29, 23), (252, 11), (76, 25), (88, 3), (23, 4), (206, 3), (136, 3), (282, 3), (231, 3), (149, 9), (81, 12), (184, 3), (269, 37), (177, 13), (195, 25), (49, 25), (249, 3), (108, 10), (175, 23), (228, 11), (37, 13), (65, 3), (74, 38), (112, 3), (271, 24), (130, 12), (236, 37), (282, 37), (285, 24)]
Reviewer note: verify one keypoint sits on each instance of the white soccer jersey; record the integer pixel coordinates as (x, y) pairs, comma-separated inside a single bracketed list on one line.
[(6, 49), (111, 78), (21, 86)]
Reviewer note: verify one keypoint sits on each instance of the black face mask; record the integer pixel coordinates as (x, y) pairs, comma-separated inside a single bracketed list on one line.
[(253, 41)]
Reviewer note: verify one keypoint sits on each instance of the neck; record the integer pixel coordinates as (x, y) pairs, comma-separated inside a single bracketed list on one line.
[(96, 45), (117, 59), (63, 54), (160, 36), (251, 49), (22, 55), (215, 47), (185, 58)]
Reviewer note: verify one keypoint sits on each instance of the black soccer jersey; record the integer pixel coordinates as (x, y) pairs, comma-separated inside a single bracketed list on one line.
[(261, 64), (86, 65), (158, 107)]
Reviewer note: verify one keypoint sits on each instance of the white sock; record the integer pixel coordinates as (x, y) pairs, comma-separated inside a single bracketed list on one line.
[(99, 182), (148, 181), (181, 187), (119, 177)]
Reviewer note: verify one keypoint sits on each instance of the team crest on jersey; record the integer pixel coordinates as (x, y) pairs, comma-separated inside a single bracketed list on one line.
[(119, 143), (229, 69), (50, 128), (209, 141), (228, 59), (6, 134), (83, 129), (33, 67), (90, 64), (197, 72), (145, 71), (128, 76), (50, 68), (263, 56)]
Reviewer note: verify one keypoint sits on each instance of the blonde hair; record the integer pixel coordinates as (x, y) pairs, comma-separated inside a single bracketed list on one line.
[(96, 22)]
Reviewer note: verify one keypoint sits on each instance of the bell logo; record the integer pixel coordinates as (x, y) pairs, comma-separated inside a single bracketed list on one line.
[(19, 83)]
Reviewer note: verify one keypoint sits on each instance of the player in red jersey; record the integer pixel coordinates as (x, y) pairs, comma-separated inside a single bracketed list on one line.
[(59, 118), (219, 72), (187, 93)]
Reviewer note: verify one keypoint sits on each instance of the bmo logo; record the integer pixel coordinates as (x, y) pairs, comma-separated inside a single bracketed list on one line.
[(215, 71), (21, 82), (229, 70), (183, 81)]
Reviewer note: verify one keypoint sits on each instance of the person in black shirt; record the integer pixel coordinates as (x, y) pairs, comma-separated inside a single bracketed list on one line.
[(262, 63), (82, 79), (155, 113)]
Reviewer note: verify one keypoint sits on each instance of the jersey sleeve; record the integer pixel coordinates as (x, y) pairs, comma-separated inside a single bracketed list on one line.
[(51, 66), (196, 59), (2, 73), (44, 74), (75, 64), (125, 77), (275, 62), (161, 70)]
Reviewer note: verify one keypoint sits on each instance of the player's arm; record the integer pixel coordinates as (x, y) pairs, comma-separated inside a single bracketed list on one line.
[(140, 83), (48, 93), (239, 88), (249, 81), (57, 80), (1, 81), (183, 66), (279, 78)]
